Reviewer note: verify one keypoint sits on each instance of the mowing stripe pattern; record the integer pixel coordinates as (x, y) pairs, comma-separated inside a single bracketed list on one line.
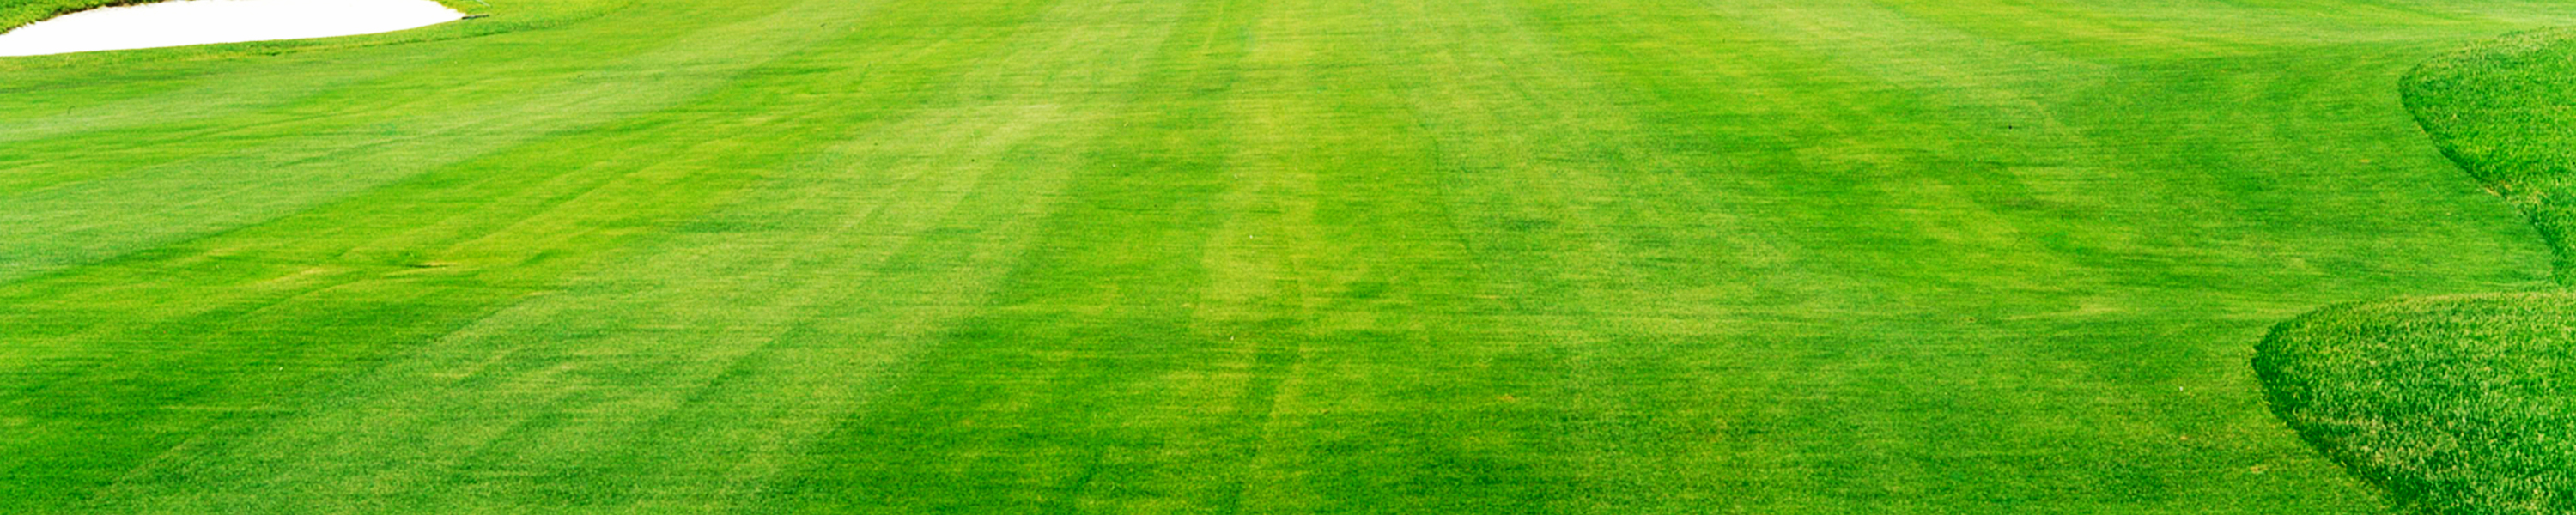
[(1190, 256)]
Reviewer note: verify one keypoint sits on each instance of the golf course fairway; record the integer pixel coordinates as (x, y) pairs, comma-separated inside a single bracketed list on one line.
[(1224, 256)]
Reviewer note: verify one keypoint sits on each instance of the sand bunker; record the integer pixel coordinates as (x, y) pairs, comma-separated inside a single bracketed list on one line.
[(200, 22)]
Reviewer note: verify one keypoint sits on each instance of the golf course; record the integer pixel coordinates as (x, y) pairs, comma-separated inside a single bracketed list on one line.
[(1302, 256)]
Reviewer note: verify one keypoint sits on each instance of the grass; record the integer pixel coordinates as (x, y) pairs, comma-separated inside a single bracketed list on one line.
[(15, 13), (2457, 405), (2460, 405), (1494, 256)]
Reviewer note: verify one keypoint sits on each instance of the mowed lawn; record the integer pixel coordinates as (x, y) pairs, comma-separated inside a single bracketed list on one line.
[(1164, 256), (2460, 404)]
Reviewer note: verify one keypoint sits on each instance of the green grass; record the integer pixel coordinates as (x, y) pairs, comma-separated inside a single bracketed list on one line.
[(1468, 256), (2458, 405), (2461, 405), (14, 13)]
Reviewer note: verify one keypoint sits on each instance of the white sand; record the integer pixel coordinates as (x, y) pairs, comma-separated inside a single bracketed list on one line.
[(200, 22)]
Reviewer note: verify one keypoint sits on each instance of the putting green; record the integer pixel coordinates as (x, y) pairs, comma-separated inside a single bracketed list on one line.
[(1493, 256)]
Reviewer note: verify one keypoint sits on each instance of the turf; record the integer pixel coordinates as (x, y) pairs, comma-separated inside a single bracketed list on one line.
[(15, 13), (1489, 256), (2460, 405)]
